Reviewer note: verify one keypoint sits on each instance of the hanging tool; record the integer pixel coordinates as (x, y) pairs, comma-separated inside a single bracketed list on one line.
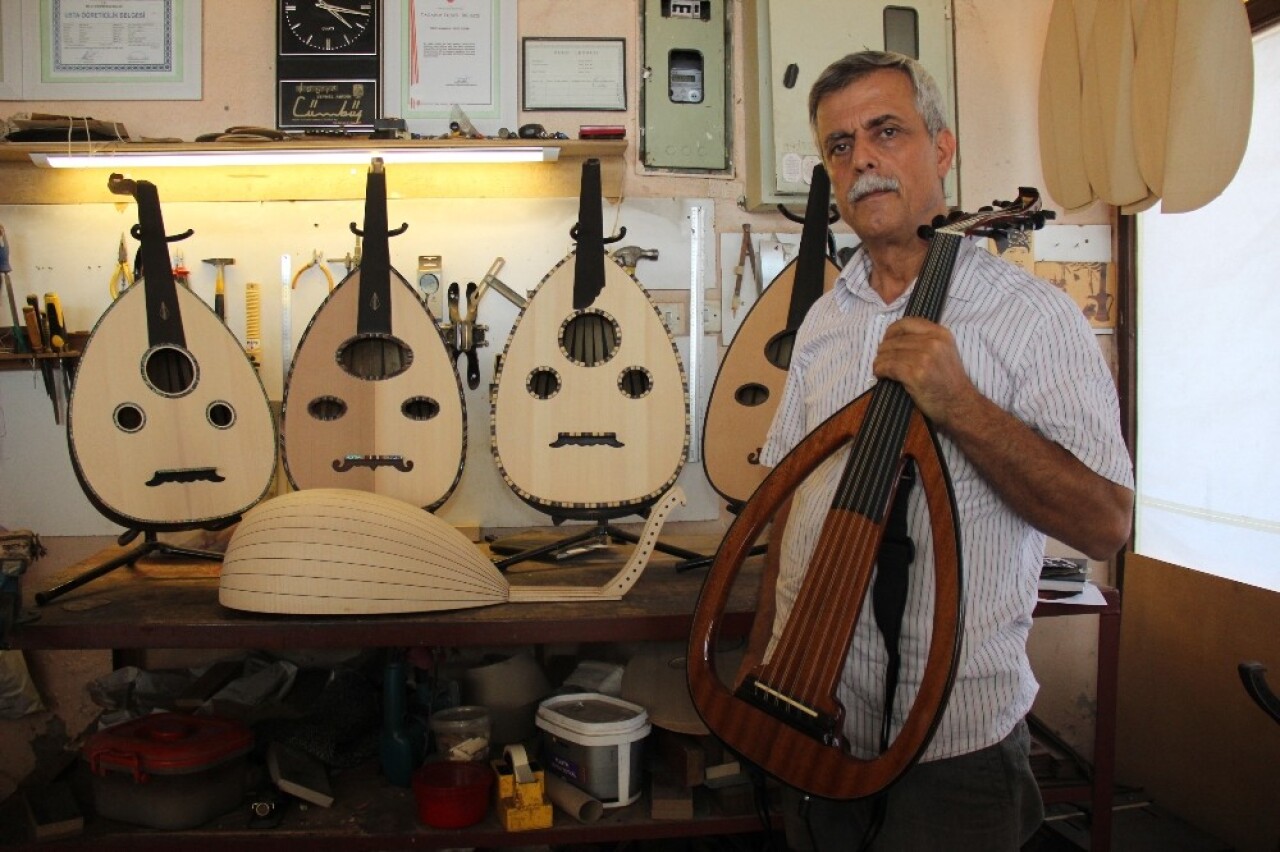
[(19, 338), (286, 316), (181, 274), (317, 260), (462, 333), (38, 337), (491, 280), (220, 287), (58, 338), (351, 260), (122, 273), (748, 252), (629, 256), (253, 323)]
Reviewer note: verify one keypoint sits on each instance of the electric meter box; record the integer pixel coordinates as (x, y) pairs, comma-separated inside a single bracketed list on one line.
[(685, 121)]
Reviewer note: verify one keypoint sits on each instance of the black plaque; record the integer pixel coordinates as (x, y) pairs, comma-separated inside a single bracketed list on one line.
[(327, 104)]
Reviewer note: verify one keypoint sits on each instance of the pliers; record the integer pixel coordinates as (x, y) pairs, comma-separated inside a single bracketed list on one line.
[(123, 272), (318, 261)]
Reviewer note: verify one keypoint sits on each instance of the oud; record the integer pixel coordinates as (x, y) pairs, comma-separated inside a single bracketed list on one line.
[(168, 426), (749, 383), (590, 402), (783, 713), (372, 401)]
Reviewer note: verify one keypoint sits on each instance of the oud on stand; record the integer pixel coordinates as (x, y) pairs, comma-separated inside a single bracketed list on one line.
[(168, 425), (589, 402), (372, 400)]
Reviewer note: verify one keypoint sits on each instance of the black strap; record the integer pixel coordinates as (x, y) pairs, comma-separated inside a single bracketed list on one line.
[(888, 603)]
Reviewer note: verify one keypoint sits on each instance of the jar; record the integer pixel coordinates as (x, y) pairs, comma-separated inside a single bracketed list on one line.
[(462, 733)]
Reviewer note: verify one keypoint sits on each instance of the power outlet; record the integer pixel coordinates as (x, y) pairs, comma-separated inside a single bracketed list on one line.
[(673, 314), (711, 317)]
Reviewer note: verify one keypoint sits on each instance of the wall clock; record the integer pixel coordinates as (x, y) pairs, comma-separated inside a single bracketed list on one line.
[(328, 64)]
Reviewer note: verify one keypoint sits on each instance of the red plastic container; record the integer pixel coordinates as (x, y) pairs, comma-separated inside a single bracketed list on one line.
[(168, 770), (451, 793)]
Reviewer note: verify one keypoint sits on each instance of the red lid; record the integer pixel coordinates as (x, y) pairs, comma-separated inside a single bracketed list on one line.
[(167, 744)]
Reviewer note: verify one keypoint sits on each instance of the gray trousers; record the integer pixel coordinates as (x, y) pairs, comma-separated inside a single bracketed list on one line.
[(985, 801)]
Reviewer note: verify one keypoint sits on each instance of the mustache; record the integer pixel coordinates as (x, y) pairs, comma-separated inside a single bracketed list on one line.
[(869, 183)]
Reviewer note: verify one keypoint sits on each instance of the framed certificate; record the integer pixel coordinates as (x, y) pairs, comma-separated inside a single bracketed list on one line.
[(122, 50), (575, 74)]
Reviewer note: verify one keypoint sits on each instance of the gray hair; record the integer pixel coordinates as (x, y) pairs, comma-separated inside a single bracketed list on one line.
[(842, 72)]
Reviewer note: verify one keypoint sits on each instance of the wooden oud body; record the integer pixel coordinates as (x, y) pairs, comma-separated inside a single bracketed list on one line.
[(822, 622), (748, 388), (334, 551), (590, 449), (421, 456), (185, 466)]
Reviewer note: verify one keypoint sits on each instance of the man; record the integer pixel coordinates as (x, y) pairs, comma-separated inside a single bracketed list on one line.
[(1027, 417)]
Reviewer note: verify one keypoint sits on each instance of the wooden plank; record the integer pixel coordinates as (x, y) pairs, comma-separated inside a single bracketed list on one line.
[(1061, 140), (1210, 102), (1107, 104)]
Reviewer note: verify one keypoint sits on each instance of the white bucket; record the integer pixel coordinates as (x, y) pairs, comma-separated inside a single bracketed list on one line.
[(595, 742)]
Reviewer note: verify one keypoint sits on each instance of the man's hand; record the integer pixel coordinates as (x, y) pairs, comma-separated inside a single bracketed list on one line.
[(922, 356)]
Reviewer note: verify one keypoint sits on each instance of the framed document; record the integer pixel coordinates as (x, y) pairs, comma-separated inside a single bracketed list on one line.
[(575, 73), (10, 50), (442, 58), (122, 50)]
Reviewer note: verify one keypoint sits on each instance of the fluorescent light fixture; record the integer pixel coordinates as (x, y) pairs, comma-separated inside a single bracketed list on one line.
[(294, 157)]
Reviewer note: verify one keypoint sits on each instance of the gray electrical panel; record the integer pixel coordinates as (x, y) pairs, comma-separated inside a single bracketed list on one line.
[(788, 44), (684, 100)]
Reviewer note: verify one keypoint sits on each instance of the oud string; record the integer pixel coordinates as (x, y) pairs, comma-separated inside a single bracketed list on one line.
[(832, 587)]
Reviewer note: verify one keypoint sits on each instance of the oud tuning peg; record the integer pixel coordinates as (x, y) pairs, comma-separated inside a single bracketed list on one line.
[(986, 209)]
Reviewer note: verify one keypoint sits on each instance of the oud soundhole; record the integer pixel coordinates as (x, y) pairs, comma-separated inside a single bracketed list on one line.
[(778, 350), (543, 383), (374, 358), (326, 408), (635, 382), (220, 414), (752, 394), (129, 417), (589, 338), (169, 371), (420, 408)]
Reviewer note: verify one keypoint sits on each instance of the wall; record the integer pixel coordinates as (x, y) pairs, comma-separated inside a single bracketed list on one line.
[(998, 47), (1188, 732)]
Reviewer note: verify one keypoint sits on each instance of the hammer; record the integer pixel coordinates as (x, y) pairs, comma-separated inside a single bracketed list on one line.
[(220, 288), (629, 256)]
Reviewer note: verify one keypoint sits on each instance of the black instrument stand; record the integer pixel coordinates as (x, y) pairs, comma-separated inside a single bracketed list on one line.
[(602, 530), (150, 544)]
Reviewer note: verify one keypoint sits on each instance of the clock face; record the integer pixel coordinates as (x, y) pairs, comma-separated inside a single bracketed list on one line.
[(328, 26)]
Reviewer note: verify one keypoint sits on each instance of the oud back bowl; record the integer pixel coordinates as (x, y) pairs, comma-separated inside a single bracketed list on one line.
[(330, 551)]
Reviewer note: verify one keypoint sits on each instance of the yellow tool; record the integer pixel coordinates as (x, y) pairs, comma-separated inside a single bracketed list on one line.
[(253, 323), (522, 787), (220, 287), (317, 260), (123, 272)]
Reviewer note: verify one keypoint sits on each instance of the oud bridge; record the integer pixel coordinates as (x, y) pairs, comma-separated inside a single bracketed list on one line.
[(348, 462), (797, 714)]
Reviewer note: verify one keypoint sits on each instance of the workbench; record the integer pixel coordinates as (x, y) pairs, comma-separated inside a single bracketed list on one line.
[(167, 602)]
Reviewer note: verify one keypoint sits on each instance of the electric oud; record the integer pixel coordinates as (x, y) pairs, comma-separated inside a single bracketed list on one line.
[(783, 713)]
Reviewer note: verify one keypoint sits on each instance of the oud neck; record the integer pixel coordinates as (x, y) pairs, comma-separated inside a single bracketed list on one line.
[(812, 257), (164, 318), (373, 315), (874, 458), (588, 264)]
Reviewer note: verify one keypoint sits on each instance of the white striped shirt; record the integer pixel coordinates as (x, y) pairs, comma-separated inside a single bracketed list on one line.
[(1026, 346)]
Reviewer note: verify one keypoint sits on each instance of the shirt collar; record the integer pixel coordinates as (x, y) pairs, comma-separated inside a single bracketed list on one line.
[(854, 281)]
